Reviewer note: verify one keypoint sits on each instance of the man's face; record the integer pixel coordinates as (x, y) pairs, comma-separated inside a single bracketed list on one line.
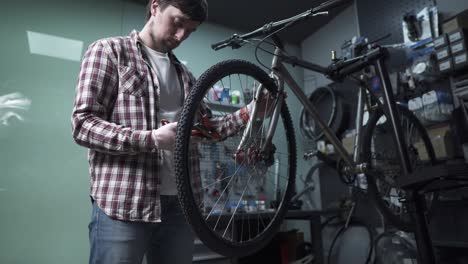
[(171, 27)]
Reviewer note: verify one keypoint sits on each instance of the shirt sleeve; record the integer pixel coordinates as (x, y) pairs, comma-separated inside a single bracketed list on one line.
[(95, 93), (227, 125)]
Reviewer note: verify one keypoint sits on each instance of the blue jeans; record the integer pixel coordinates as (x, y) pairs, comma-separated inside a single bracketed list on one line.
[(114, 241)]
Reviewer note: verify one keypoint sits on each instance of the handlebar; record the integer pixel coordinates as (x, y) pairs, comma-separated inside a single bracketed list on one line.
[(236, 41), (228, 42)]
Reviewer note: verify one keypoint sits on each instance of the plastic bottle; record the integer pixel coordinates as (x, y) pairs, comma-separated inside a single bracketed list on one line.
[(226, 96), (235, 97)]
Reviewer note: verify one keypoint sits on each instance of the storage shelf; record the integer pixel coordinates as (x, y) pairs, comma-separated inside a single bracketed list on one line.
[(228, 108)]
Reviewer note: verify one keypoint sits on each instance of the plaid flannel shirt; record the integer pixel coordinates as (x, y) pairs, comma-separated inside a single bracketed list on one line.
[(115, 110)]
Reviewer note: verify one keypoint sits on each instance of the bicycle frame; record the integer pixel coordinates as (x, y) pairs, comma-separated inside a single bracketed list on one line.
[(282, 75)]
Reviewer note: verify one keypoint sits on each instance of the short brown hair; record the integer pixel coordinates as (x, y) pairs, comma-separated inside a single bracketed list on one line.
[(196, 10)]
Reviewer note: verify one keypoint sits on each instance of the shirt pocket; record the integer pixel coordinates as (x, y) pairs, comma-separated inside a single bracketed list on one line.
[(132, 82), (131, 107)]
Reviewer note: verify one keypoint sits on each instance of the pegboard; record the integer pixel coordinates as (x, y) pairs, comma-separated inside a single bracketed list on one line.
[(378, 18), (217, 167)]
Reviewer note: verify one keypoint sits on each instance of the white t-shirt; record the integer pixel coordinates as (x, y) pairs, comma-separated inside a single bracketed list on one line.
[(170, 105)]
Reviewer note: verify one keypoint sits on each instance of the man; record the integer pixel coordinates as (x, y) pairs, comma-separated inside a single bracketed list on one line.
[(126, 86)]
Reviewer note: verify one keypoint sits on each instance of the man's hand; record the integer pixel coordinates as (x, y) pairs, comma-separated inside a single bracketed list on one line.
[(165, 136)]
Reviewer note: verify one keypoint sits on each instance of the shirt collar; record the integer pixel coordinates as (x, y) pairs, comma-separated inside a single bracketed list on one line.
[(136, 39)]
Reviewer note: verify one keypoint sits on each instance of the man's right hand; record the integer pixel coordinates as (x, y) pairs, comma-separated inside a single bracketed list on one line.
[(165, 136)]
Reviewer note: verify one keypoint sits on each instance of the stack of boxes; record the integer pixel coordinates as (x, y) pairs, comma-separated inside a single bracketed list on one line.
[(458, 47), (451, 46), (458, 43), (456, 30), (451, 51), (443, 54)]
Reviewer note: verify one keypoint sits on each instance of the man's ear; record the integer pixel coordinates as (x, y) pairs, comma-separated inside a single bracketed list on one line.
[(154, 5)]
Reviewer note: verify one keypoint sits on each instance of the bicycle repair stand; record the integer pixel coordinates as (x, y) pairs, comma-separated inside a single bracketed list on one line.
[(439, 177), (424, 180), (415, 198)]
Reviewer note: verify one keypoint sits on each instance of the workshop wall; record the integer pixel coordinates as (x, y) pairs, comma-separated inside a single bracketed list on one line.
[(44, 182)]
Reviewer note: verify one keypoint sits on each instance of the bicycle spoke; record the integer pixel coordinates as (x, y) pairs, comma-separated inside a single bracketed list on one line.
[(235, 210), (220, 196)]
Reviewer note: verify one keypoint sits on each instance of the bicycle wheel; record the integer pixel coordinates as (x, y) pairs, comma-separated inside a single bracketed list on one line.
[(322, 97), (330, 107), (226, 207), (379, 150)]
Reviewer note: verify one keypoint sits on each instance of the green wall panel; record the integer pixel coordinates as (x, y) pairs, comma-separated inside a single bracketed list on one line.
[(44, 182)]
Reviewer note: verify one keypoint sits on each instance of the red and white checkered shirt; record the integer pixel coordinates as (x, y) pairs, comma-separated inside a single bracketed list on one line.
[(115, 109)]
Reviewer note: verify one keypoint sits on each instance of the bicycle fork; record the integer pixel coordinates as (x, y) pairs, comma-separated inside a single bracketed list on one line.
[(266, 146)]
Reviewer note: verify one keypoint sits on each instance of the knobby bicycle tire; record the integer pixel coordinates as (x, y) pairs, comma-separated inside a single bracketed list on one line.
[(402, 220), (194, 215)]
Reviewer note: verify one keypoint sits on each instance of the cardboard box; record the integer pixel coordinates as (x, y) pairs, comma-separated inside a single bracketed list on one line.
[(441, 139), (456, 35), (348, 143), (440, 41), (460, 61), (457, 47), (445, 66), (288, 245), (456, 22), (443, 53)]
